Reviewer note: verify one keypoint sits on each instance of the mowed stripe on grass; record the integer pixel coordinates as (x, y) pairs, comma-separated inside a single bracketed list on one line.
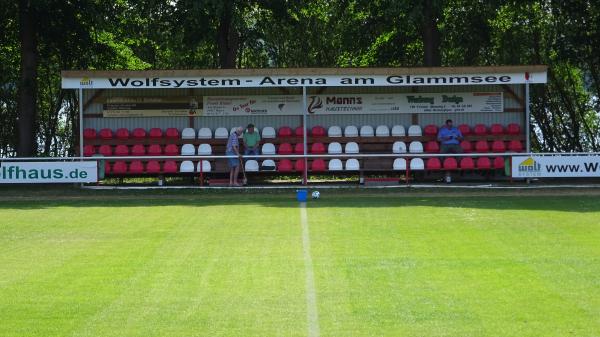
[(128, 269), (235, 266)]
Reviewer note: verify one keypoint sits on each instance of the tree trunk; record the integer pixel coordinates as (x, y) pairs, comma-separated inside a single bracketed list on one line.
[(28, 82), (227, 37), (431, 36)]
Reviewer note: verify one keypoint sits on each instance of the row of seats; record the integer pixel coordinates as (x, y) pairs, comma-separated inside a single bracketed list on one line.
[(316, 131), (450, 163), (155, 167), (286, 165), (480, 146)]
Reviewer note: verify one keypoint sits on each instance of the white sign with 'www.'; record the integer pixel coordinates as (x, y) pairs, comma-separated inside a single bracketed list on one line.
[(48, 172)]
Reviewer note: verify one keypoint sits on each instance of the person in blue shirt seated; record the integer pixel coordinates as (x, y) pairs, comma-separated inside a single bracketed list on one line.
[(449, 138)]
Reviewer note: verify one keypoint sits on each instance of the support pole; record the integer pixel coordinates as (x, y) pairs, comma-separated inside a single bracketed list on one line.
[(81, 123), (527, 113), (305, 136)]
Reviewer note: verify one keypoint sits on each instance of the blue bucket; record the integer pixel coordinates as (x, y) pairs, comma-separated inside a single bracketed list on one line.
[(301, 195)]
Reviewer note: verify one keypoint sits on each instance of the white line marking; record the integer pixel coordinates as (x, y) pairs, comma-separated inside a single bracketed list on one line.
[(311, 295)]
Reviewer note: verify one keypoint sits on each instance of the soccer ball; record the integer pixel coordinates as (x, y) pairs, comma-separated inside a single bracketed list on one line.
[(316, 194)]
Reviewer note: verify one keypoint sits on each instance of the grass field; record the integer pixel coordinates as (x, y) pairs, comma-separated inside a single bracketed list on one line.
[(237, 265)]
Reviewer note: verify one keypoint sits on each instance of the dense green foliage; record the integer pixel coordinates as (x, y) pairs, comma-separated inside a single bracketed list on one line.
[(207, 263), (166, 34)]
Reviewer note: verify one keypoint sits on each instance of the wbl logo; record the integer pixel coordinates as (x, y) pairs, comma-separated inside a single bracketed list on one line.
[(315, 103)]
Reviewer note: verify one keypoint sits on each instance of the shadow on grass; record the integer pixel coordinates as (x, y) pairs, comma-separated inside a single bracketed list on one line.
[(565, 200)]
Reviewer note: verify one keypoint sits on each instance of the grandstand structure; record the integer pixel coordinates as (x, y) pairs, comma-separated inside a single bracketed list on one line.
[(365, 121)]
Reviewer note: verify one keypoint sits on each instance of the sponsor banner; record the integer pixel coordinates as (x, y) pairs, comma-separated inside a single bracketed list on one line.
[(354, 104), (556, 166), (150, 107), (252, 105), (48, 172), (299, 81)]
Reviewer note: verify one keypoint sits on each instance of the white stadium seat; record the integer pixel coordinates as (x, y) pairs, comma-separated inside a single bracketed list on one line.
[(414, 131), (351, 147), (221, 133), (268, 148), (415, 147), (188, 133), (188, 150), (398, 131), (334, 148), (351, 131), (233, 130), (251, 166), (205, 166), (417, 164), (334, 131), (268, 165), (335, 165), (352, 165), (204, 150), (399, 164), (268, 132), (205, 133), (186, 166), (366, 131), (399, 147), (382, 131)]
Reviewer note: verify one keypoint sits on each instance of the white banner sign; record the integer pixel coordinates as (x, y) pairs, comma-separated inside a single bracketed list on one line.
[(354, 104), (556, 166), (300, 81), (48, 172)]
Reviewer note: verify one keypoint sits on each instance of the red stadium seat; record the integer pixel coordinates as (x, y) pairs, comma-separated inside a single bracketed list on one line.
[(318, 165), (106, 134), (119, 167), (513, 129), (107, 168), (121, 150), (170, 166), (171, 150), (450, 164), (284, 131), (299, 131), (89, 150), (155, 133), (467, 163), (499, 163), (482, 146), (89, 133), (154, 150), (433, 164), (515, 146), (484, 163), (430, 130), (496, 129), (318, 131), (285, 148), (498, 146), (172, 133), (299, 165), (138, 150), (122, 133), (480, 130), (138, 133), (464, 129), (105, 150), (284, 165), (318, 148), (136, 167), (432, 147), (153, 167), (299, 148), (466, 146)]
